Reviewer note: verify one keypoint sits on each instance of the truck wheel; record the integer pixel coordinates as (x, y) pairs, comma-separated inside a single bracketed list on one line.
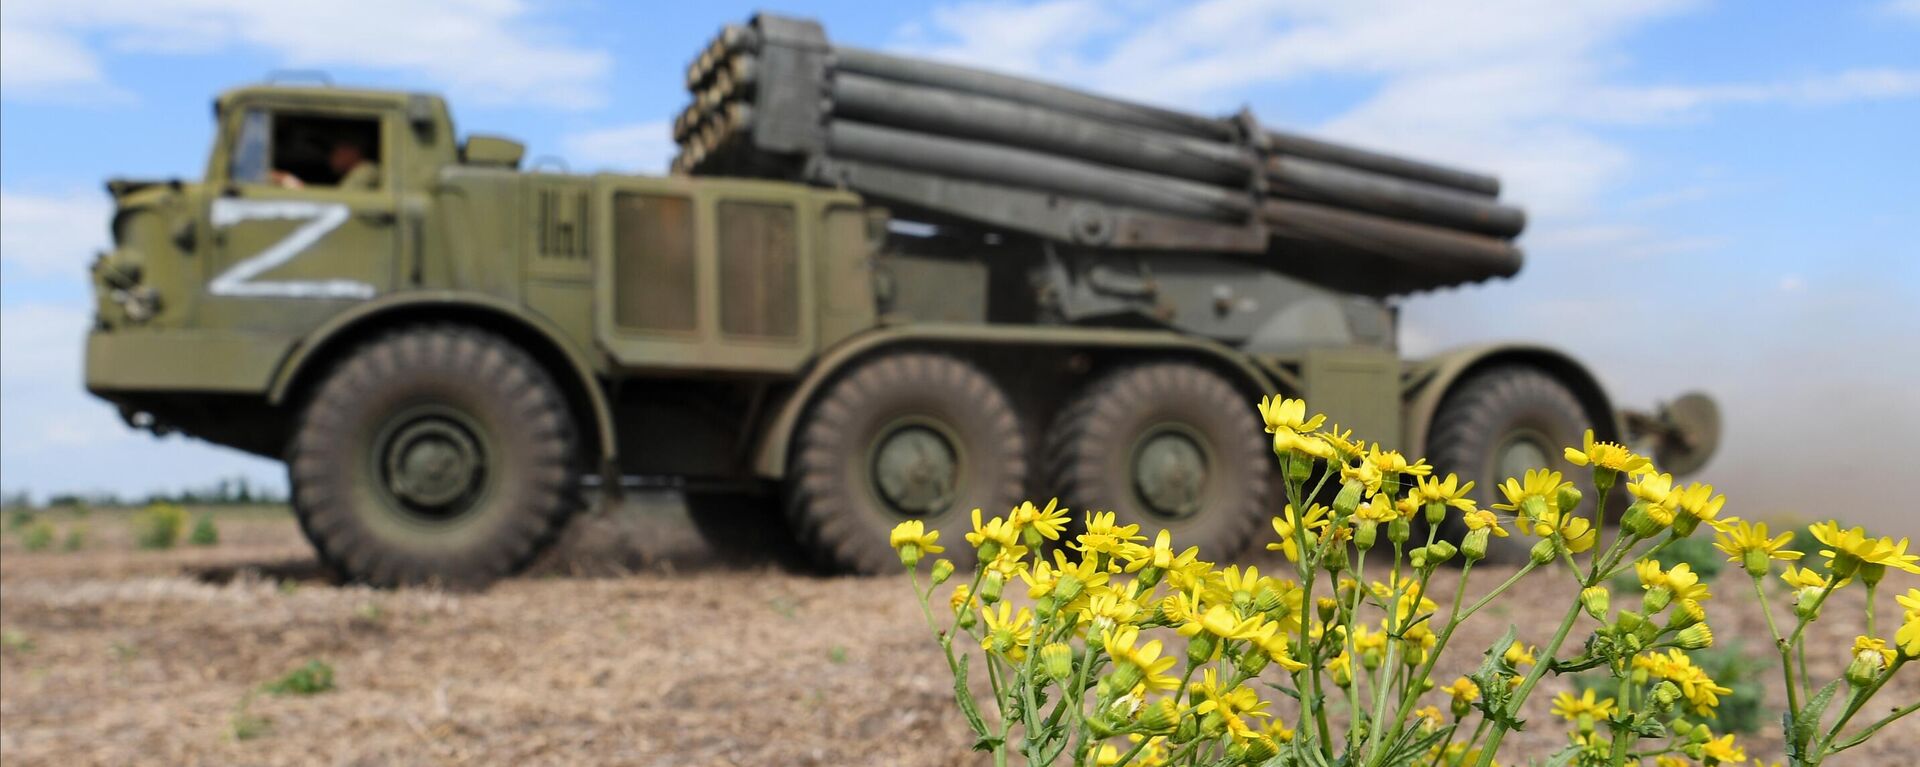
[(1166, 445), (434, 454), (909, 435), (1498, 424)]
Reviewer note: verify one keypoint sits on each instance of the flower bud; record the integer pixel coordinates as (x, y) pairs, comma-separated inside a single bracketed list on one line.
[(1806, 603), (1067, 588), (1568, 498), (1630, 621), (1188, 730), (1336, 559), (1097, 724), (1665, 694), (1056, 659), (1638, 522), (1399, 530), (1756, 563), (1684, 525), (1656, 599), (1687, 613), (1418, 558), (1543, 552), (1365, 532), (1871, 573), (1124, 677), (1695, 637), (1328, 607), (1149, 576), (1266, 599), (1436, 512), (967, 620), (1253, 662), (1603, 479), (1866, 666), (1349, 498), (1440, 551), (910, 554), (1159, 717), (990, 587), (1299, 467), (942, 570), (1044, 607), (989, 549), (1596, 600), (1258, 751), (1474, 545), (1200, 648)]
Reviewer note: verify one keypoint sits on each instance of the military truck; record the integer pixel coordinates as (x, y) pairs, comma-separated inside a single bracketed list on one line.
[(874, 289)]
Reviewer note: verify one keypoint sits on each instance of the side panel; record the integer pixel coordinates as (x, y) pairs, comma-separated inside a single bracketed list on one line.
[(1358, 388), (703, 276)]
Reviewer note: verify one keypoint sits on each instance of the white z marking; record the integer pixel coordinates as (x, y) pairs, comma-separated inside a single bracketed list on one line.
[(322, 218)]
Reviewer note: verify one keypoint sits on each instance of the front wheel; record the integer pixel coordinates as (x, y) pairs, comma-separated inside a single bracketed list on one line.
[(1500, 423), (434, 454)]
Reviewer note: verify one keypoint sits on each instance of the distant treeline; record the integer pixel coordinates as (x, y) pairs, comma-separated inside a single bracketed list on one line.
[(234, 491)]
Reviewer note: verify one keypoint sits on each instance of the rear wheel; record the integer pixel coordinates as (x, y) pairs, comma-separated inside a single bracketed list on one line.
[(906, 435), (1166, 445), (434, 454), (1500, 423)]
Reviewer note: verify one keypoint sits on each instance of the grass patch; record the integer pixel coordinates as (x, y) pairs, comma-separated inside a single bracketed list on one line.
[(158, 526), (311, 679), (205, 532)]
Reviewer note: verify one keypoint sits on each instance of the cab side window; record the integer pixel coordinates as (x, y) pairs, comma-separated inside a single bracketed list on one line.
[(297, 151)]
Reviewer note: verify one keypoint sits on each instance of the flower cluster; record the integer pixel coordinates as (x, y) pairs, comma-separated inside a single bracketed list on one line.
[(1113, 647)]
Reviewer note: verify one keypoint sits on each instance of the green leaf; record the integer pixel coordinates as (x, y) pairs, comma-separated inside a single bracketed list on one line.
[(1807, 719), (1408, 749), (964, 695), (987, 743)]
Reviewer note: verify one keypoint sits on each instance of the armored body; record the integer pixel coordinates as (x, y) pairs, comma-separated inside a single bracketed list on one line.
[(874, 289)]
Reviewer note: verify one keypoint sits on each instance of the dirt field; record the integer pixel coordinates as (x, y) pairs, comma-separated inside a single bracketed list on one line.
[(631, 645)]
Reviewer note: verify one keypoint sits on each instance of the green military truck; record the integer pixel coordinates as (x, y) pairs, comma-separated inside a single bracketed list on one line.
[(451, 352)]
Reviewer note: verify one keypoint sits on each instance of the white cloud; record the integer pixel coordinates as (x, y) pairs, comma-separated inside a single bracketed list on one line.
[(52, 235), (1907, 8), (644, 147), (487, 51), (1503, 85)]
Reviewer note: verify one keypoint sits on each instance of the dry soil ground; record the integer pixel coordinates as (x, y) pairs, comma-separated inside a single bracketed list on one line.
[(632, 645)]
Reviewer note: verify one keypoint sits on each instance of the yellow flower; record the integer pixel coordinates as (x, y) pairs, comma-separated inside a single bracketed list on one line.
[(1685, 583), (1578, 533), (1364, 473), (1232, 705), (1806, 578), (1221, 622), (1518, 655), (1537, 483), (1738, 537), (1007, 633), (911, 540), (1377, 509), (1146, 658), (1463, 690), (1277, 644), (1607, 455), (1674, 666), (1867, 644), (1161, 556), (1292, 430), (1851, 547), (1342, 442), (1105, 536), (962, 598), (1284, 525), (1908, 637), (1571, 708), (997, 530), (1448, 491), (1484, 519), (1656, 490), (1392, 462), (1048, 522), (1699, 502), (1723, 751)]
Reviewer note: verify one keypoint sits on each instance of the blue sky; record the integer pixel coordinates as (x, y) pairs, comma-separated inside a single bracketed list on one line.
[(1723, 195)]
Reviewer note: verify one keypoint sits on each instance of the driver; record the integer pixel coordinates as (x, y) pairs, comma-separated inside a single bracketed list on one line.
[(349, 163)]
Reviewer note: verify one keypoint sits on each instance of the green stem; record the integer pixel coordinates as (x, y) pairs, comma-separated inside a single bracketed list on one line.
[(1875, 727), (1779, 644), (1526, 686), (1858, 702), (1440, 645)]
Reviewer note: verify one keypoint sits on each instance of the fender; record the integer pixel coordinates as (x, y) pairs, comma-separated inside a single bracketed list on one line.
[(320, 342), (770, 456), (1427, 382)]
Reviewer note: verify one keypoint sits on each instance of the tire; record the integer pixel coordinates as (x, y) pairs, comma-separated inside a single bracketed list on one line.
[(434, 454), (879, 423), (1169, 413), (1488, 428)]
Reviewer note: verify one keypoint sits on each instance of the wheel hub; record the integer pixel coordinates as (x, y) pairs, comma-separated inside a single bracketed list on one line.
[(1521, 453), (433, 463), (1170, 473), (915, 469)]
